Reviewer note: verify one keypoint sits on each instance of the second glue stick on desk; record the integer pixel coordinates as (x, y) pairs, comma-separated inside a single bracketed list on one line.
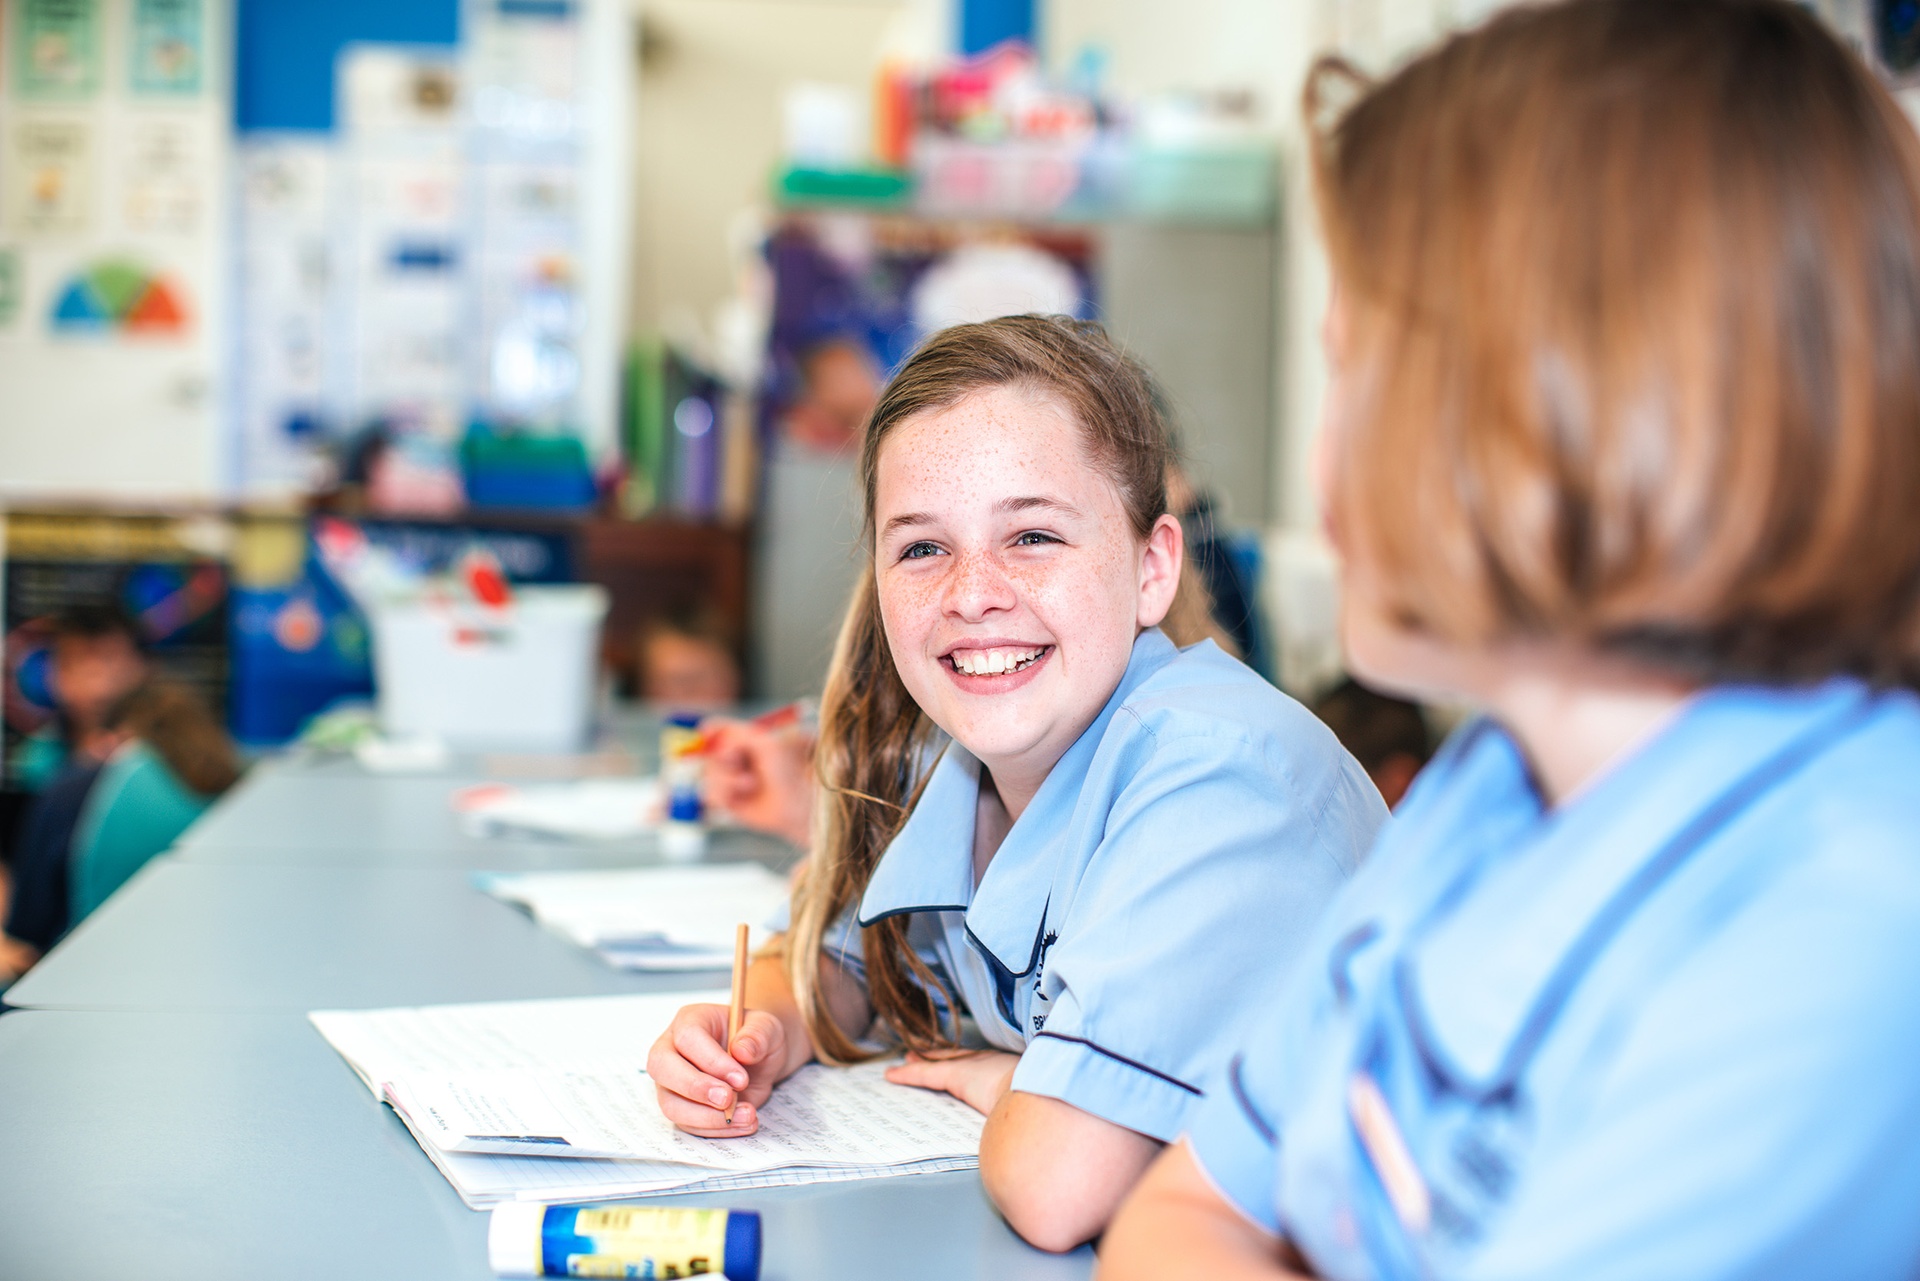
[(683, 837), (526, 1240)]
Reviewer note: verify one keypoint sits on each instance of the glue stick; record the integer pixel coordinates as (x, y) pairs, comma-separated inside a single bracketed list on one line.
[(683, 837), (527, 1240)]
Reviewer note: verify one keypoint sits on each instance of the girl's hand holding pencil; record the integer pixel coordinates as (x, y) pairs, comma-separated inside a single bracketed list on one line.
[(716, 1064)]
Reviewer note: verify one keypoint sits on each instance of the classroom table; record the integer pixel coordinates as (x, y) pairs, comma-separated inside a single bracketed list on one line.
[(239, 1145), (191, 936), (169, 1112), (336, 814)]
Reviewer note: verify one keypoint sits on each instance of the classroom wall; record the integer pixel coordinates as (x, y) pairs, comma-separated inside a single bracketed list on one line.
[(713, 77), (114, 406)]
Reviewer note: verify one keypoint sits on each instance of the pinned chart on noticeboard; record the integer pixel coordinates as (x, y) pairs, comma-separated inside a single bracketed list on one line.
[(49, 168), (58, 49)]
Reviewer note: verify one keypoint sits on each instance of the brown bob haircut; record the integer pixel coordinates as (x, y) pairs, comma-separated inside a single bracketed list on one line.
[(1631, 303)]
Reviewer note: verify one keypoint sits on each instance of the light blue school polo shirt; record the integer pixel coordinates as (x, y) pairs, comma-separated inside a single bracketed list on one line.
[(1159, 884), (1671, 1029)]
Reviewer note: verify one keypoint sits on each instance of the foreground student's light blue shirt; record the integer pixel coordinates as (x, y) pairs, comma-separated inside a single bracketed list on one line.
[(1167, 872), (1671, 1029)]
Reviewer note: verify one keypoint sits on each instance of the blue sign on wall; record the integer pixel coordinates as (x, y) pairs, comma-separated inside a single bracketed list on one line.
[(285, 52)]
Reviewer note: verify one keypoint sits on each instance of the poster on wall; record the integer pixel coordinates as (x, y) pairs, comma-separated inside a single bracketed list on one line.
[(168, 44), (286, 292), (48, 172), (120, 296), (165, 176), (11, 285), (56, 48)]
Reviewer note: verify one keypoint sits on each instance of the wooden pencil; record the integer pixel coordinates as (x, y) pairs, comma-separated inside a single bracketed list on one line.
[(737, 1008)]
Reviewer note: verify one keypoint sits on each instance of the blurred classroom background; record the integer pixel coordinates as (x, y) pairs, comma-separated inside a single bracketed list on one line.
[(307, 305)]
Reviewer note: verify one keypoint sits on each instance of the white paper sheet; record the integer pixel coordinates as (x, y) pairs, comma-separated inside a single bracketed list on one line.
[(591, 809), (469, 1078), (820, 1116), (578, 1034), (650, 918)]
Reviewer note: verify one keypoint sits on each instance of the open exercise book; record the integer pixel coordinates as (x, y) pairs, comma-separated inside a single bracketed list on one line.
[(549, 1101), (654, 918)]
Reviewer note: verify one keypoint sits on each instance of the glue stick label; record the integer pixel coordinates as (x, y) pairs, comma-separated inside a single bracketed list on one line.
[(638, 1241)]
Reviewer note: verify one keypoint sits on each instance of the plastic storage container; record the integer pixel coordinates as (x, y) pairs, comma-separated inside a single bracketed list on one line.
[(519, 677)]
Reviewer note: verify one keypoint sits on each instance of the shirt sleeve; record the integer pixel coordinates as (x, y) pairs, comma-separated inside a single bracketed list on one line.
[(1218, 857), (1236, 1140), (1759, 1119)]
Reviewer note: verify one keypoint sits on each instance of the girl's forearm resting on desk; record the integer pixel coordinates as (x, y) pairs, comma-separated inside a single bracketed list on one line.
[(1057, 1173), (1177, 1224)]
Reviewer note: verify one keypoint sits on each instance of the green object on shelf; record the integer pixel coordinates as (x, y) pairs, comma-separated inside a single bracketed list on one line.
[(868, 188), (646, 425), (525, 469), (1235, 185)]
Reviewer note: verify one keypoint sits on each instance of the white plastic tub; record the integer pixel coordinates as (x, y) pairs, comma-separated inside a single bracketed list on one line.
[(520, 678)]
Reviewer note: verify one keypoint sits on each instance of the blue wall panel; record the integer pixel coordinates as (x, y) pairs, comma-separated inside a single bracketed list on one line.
[(985, 23), (285, 51)]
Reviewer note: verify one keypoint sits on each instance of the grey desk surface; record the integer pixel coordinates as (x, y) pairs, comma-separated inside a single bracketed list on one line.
[(336, 815), (230, 1145), (167, 1108), (190, 936)]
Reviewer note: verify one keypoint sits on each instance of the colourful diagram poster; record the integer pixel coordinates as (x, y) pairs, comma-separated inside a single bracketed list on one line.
[(168, 46), (56, 48), (165, 174), (47, 176), (120, 297)]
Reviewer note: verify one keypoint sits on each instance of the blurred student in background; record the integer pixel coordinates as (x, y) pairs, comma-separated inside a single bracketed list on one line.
[(1622, 444), (1387, 735), (686, 663), (95, 661), (134, 759)]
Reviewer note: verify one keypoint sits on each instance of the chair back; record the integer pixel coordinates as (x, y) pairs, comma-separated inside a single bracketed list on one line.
[(135, 810)]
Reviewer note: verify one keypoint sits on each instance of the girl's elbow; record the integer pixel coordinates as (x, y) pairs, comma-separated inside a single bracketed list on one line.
[(1049, 1208)]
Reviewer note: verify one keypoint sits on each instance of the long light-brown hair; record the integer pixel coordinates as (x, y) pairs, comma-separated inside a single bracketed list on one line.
[(874, 739), (1631, 292)]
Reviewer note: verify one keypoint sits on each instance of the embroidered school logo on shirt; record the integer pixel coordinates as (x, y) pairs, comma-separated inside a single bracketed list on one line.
[(1039, 979)]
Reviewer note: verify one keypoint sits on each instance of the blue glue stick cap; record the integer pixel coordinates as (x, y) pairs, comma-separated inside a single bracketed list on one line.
[(742, 1256), (684, 806)]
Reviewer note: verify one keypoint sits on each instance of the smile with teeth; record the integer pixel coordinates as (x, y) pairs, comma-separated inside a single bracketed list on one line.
[(995, 662)]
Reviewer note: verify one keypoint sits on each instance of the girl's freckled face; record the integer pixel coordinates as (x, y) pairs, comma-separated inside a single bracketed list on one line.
[(1010, 577)]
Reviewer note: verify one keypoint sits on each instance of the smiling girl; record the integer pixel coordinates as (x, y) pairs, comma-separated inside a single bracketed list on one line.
[(1047, 830)]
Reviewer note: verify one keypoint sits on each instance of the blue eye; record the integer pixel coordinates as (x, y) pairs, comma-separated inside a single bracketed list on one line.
[(920, 550), (1034, 538)]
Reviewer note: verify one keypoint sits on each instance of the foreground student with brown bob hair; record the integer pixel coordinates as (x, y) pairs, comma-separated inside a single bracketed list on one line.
[(1624, 445)]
